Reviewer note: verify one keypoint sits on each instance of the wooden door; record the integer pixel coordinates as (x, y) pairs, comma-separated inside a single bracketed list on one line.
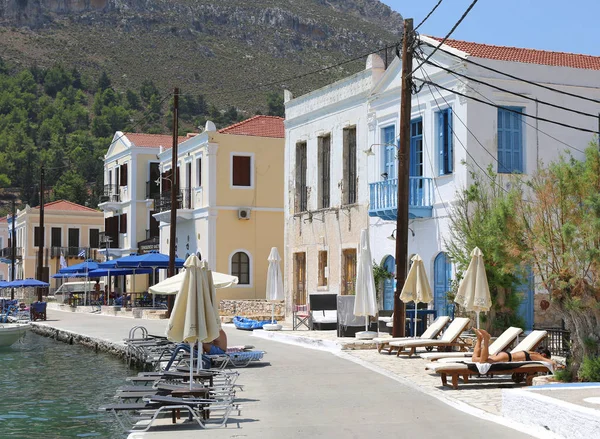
[(348, 271), (300, 278)]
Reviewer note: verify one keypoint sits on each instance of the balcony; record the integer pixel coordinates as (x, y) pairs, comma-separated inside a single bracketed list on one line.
[(384, 198), (73, 252), (111, 198), (162, 205), (6, 253)]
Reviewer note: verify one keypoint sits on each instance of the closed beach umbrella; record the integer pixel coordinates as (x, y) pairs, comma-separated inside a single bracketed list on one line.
[(195, 315), (365, 302), (172, 284), (474, 291), (416, 287), (274, 280)]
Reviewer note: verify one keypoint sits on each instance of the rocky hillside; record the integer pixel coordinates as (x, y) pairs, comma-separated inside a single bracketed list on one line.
[(222, 49)]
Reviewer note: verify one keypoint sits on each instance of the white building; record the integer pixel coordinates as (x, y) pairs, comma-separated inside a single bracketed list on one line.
[(450, 135)]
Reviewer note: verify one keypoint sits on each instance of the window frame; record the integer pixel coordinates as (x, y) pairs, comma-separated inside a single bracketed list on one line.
[(323, 270), (389, 167), (324, 171), (350, 167), (301, 192), (252, 166), (250, 265), (510, 110), (444, 146)]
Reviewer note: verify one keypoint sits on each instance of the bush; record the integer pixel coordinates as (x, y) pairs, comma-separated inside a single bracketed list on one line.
[(564, 375), (590, 369)]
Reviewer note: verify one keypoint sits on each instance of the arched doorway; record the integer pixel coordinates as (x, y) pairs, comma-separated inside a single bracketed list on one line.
[(388, 285), (442, 276)]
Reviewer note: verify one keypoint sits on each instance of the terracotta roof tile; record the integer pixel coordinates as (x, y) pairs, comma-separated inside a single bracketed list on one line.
[(141, 140), (262, 126), (530, 56), (66, 205)]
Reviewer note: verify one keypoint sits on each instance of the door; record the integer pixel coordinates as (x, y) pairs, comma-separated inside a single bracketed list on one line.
[(526, 291), (388, 285), (73, 242), (416, 163), (300, 278), (442, 276), (348, 271)]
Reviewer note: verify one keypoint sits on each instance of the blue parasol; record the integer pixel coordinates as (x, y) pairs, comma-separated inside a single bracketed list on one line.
[(25, 283)]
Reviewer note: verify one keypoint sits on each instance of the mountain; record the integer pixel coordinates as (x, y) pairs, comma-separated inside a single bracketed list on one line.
[(221, 49)]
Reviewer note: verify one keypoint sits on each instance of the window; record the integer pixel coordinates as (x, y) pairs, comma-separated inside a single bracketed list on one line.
[(510, 139), (349, 187), (324, 164), (123, 223), (240, 267), (416, 148), (154, 231), (56, 237), (199, 172), (389, 155), (323, 271), (111, 230), (154, 183), (301, 192), (241, 171), (94, 238), (123, 174), (36, 236), (73, 242), (444, 141)]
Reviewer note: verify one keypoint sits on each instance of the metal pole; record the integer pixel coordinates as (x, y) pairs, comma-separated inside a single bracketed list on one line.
[(40, 267), (13, 249), (174, 192), (403, 181)]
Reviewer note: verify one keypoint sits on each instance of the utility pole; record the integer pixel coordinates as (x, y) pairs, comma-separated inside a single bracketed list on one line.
[(174, 193), (40, 259), (403, 170), (13, 249)]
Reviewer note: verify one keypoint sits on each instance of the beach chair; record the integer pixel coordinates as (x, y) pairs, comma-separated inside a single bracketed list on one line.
[(519, 371), (506, 339), (38, 311), (450, 339), (300, 316), (430, 333)]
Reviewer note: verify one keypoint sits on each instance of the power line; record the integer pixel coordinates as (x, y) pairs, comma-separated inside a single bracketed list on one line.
[(296, 77), (508, 109), (524, 121), (428, 15), (596, 101), (447, 35), (470, 78)]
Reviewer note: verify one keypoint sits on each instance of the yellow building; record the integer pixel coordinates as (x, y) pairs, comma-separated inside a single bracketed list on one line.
[(70, 230), (230, 202)]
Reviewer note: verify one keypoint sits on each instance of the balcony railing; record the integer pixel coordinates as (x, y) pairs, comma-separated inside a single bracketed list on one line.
[(110, 194), (163, 202), (384, 198), (6, 253), (73, 252)]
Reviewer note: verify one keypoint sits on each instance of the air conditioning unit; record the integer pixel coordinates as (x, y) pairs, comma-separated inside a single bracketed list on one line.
[(244, 214)]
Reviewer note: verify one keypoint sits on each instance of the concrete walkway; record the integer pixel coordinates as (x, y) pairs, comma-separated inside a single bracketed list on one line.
[(304, 393)]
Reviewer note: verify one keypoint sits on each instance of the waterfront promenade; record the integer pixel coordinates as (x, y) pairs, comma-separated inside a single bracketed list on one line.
[(304, 393)]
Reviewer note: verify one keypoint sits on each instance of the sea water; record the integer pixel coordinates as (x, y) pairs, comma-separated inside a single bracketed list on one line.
[(50, 389)]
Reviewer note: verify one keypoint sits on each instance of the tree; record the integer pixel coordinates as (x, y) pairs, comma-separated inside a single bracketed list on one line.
[(103, 82), (147, 90), (560, 213), (56, 79), (72, 187), (484, 216), (275, 104), (133, 99)]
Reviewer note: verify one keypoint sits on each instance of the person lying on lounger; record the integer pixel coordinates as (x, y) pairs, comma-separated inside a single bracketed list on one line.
[(481, 352), (217, 346)]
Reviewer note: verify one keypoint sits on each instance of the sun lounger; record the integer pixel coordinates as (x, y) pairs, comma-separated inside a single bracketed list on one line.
[(235, 359), (520, 371), (383, 343), (450, 339), (505, 339)]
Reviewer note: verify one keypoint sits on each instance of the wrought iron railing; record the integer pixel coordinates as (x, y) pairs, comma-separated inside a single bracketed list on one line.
[(7, 252), (558, 341), (111, 193), (163, 202), (73, 252)]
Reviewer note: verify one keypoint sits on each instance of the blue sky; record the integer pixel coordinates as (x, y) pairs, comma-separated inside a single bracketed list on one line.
[(537, 24)]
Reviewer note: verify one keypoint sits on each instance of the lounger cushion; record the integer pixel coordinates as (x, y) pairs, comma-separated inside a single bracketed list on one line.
[(324, 316)]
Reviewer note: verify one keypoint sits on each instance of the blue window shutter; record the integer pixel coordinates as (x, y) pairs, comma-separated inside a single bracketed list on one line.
[(449, 142), (510, 140), (440, 141)]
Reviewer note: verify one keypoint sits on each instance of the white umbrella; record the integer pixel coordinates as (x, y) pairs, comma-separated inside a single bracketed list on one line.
[(172, 284), (365, 302), (195, 315), (274, 284), (416, 287), (474, 291)]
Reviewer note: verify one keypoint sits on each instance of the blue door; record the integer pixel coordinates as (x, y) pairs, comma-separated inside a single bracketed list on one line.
[(442, 272), (388, 285), (389, 156), (416, 163), (526, 291)]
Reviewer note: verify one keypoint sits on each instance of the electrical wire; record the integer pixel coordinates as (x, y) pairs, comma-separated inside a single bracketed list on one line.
[(524, 120), (470, 78), (447, 35), (513, 76), (585, 130), (428, 15)]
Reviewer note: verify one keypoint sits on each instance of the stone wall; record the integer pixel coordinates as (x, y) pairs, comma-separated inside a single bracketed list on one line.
[(550, 318), (251, 308)]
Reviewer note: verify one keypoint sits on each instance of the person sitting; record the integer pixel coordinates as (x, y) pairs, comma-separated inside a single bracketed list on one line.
[(217, 346), (481, 353)]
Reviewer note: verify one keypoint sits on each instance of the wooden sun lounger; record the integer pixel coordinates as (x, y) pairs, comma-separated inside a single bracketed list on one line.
[(383, 344), (521, 371), (450, 339)]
